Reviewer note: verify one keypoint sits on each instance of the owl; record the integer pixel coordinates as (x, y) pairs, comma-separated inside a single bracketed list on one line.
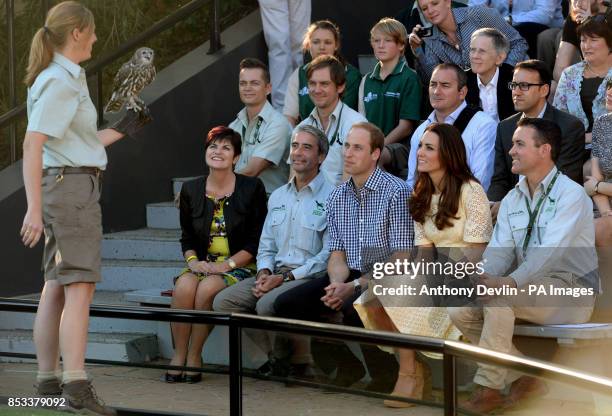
[(131, 78)]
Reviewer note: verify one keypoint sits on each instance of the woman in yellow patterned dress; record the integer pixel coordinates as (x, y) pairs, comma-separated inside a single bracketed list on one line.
[(222, 215), (451, 216)]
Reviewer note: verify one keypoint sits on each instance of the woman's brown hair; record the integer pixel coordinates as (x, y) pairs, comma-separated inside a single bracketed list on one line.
[(325, 25), (453, 160), (61, 20)]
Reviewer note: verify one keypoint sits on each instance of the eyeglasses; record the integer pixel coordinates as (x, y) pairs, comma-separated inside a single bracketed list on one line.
[(523, 86)]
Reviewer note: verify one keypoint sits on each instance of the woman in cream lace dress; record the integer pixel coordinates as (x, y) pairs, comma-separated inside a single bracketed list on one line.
[(451, 215)]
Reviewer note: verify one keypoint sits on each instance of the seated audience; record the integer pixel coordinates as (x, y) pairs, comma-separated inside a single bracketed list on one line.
[(264, 131), (557, 251), (530, 89), (221, 216), (528, 17), (569, 49), (450, 211), (447, 91), (488, 76), (582, 87), (368, 222), (321, 38), (326, 81), (390, 95), (599, 185), (452, 31), (293, 244)]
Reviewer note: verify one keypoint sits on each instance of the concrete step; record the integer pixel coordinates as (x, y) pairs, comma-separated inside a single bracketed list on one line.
[(143, 244), (22, 320), (126, 275), (163, 215), (134, 348), (148, 297), (177, 183)]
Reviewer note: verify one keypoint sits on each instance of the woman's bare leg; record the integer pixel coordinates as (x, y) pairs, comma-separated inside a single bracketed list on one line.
[(183, 298)]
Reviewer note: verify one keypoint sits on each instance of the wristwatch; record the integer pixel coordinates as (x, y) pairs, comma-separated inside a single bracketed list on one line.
[(231, 263), (358, 288), (288, 276)]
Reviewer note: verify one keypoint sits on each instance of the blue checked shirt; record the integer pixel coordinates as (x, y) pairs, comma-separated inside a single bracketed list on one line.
[(370, 223), (437, 49)]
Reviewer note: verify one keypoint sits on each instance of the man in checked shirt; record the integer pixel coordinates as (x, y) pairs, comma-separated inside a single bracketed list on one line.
[(368, 222)]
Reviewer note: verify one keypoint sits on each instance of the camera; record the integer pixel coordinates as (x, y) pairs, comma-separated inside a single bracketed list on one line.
[(425, 32)]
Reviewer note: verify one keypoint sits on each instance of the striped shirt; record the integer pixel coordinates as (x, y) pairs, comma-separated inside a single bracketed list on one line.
[(438, 49)]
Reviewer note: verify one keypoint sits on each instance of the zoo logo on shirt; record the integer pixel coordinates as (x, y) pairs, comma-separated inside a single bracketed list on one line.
[(370, 97)]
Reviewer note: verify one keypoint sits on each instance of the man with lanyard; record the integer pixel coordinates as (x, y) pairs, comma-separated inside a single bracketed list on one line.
[(544, 239), (326, 82), (265, 132), (447, 91)]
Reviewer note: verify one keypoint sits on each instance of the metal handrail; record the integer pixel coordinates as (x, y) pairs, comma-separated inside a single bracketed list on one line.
[(95, 68), (451, 350)]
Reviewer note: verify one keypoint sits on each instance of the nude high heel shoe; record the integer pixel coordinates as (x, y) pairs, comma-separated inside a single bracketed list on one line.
[(422, 385)]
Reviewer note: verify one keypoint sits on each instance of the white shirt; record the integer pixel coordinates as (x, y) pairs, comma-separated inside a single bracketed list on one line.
[(340, 122), (562, 243), (488, 95), (267, 136), (541, 112), (295, 232), (479, 140)]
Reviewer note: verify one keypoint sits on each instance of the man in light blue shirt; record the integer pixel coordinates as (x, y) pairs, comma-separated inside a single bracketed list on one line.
[(265, 132), (541, 259), (294, 240), (447, 91), (326, 82)]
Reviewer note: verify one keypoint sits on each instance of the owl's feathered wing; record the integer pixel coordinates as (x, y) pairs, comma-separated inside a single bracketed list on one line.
[(129, 82)]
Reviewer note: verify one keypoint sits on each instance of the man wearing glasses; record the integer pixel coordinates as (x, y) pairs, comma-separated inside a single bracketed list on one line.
[(530, 88), (265, 132)]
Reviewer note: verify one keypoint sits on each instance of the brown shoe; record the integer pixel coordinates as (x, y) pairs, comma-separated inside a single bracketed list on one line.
[(483, 400), (81, 398), (50, 387), (525, 388)]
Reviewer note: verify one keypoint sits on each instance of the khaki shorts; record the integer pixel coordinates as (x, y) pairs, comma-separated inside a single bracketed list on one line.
[(73, 228)]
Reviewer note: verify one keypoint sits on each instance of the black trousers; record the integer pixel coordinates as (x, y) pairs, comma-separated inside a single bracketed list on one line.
[(304, 303)]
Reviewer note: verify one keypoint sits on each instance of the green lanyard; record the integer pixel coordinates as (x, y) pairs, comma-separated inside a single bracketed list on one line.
[(255, 135), (533, 215), (335, 137)]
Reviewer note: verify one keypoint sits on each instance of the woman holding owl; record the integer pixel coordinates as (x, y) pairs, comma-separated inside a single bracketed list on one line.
[(63, 157)]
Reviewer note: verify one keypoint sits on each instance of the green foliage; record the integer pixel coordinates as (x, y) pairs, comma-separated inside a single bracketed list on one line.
[(116, 22)]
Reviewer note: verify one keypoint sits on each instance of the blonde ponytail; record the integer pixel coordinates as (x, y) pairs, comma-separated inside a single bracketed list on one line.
[(41, 54), (61, 20)]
